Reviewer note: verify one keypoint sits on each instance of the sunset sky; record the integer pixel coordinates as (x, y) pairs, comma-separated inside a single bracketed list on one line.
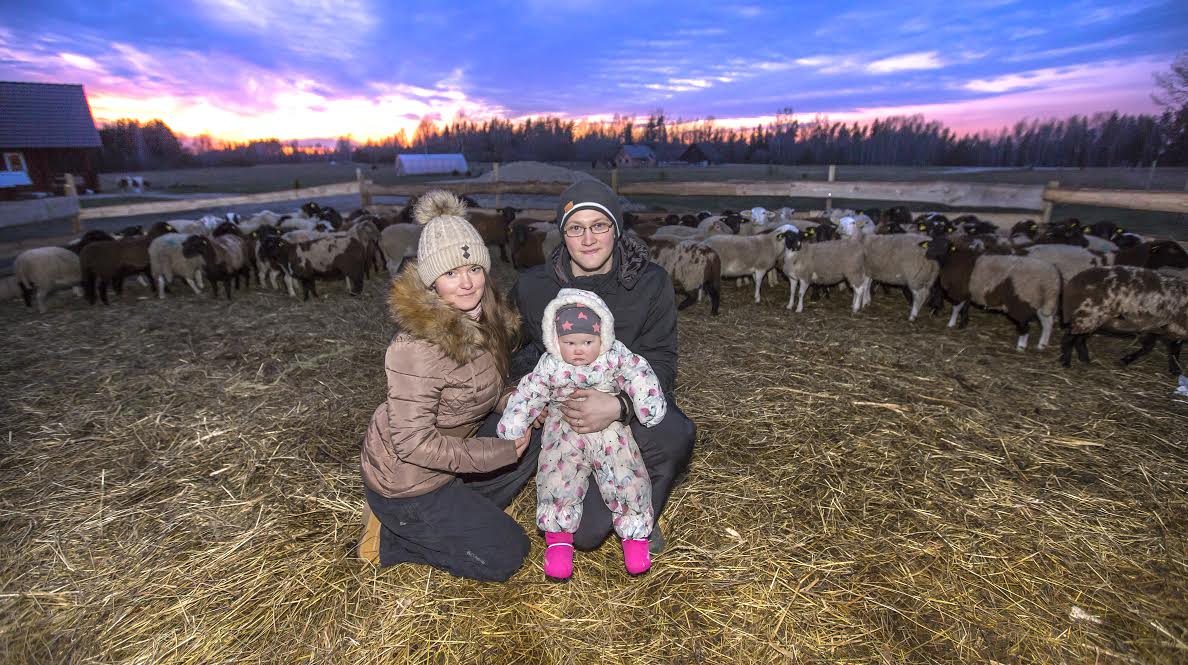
[(241, 69)]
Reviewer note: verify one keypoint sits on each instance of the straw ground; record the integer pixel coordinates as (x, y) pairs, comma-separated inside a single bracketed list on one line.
[(179, 483)]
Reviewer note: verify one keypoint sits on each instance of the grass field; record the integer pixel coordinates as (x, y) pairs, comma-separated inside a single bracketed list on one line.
[(180, 483)]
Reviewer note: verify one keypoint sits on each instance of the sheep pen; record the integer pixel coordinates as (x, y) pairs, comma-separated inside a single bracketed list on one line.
[(180, 483)]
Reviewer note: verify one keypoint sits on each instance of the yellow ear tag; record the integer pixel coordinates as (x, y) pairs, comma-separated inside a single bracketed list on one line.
[(923, 228)]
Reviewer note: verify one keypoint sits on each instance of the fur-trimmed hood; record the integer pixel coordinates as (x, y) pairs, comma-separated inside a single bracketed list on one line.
[(420, 312), (577, 297)]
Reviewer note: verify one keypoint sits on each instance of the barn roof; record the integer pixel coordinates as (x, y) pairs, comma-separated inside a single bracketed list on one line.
[(636, 151), (707, 150), (45, 115)]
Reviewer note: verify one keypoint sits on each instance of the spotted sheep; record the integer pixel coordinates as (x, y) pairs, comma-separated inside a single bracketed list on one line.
[(327, 257), (1125, 299), (1023, 288), (694, 267), (223, 257)]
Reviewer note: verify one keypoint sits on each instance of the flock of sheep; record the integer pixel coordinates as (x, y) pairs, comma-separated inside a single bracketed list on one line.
[(1095, 277)]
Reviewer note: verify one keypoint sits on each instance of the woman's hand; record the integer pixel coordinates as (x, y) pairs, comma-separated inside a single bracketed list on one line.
[(589, 411), (522, 443)]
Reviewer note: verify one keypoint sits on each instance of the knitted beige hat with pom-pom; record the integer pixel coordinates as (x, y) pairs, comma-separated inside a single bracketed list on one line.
[(448, 241)]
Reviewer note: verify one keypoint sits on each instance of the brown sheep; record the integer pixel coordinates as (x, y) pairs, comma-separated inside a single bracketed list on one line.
[(110, 261)]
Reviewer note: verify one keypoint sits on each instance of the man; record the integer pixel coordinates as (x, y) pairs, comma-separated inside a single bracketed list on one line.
[(596, 256)]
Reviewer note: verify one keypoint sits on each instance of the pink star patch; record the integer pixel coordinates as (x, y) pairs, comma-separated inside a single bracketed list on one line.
[(582, 315), (597, 327), (568, 325)]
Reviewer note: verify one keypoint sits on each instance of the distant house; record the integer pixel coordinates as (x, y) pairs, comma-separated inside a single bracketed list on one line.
[(46, 130), (635, 155), (701, 153), (418, 164)]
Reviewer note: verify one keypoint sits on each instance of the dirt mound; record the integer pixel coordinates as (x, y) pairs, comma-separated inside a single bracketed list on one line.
[(532, 172)]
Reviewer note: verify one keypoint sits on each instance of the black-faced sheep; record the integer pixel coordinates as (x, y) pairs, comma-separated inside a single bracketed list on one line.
[(693, 266), (825, 264), (108, 262), (752, 256), (1125, 299), (167, 261), (1023, 288), (899, 260)]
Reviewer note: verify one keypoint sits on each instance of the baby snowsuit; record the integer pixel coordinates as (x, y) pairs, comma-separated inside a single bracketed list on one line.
[(566, 457)]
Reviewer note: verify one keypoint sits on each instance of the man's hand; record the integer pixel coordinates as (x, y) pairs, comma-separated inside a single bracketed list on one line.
[(589, 411)]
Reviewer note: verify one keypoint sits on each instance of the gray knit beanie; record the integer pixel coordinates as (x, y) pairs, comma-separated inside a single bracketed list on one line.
[(448, 241), (590, 194)]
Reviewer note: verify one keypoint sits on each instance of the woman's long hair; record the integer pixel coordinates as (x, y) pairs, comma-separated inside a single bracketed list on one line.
[(500, 325)]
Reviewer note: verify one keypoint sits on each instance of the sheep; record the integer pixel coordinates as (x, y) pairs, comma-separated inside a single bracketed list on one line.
[(934, 224), (109, 261), (42, 270), (528, 240), (190, 226), (398, 243), (1154, 254), (826, 263), (715, 227), (1023, 233), (973, 226), (693, 266), (222, 256), (899, 260), (1125, 299), (1068, 259), (329, 257), (1065, 232), (247, 247), (167, 261), (94, 235), (369, 236), (493, 228), (1105, 230), (732, 222), (305, 224), (852, 226), (324, 213), (1024, 288), (267, 267), (752, 255)]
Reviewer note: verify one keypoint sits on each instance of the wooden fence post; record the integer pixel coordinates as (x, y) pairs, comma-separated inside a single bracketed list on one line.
[(615, 180), (832, 177), (72, 192), (498, 197), (1052, 184), (1151, 173), (364, 194)]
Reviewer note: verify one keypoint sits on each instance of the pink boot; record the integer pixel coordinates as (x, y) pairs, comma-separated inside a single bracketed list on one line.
[(558, 559), (636, 556)]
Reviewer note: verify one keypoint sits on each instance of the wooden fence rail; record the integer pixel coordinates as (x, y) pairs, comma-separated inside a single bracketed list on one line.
[(960, 195)]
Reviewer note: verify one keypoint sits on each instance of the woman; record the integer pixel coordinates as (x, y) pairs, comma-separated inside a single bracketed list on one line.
[(445, 368)]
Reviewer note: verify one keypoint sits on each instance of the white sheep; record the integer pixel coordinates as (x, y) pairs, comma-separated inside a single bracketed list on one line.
[(715, 227), (1070, 260), (399, 243), (42, 270), (826, 263), (899, 259), (852, 226), (752, 256), (693, 266), (167, 261)]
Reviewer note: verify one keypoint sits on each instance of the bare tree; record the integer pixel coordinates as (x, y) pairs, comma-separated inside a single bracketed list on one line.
[(1174, 85)]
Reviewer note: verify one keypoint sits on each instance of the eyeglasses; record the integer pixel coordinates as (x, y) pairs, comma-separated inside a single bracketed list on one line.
[(577, 230)]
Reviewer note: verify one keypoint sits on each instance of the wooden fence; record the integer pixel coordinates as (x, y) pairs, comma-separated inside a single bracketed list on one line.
[(965, 196)]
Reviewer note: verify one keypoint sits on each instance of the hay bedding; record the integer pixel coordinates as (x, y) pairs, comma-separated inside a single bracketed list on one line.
[(179, 483)]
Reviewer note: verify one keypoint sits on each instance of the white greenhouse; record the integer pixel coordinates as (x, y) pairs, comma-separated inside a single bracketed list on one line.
[(421, 164)]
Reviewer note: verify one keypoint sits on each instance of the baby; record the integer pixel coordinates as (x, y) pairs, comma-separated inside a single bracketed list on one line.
[(579, 336)]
